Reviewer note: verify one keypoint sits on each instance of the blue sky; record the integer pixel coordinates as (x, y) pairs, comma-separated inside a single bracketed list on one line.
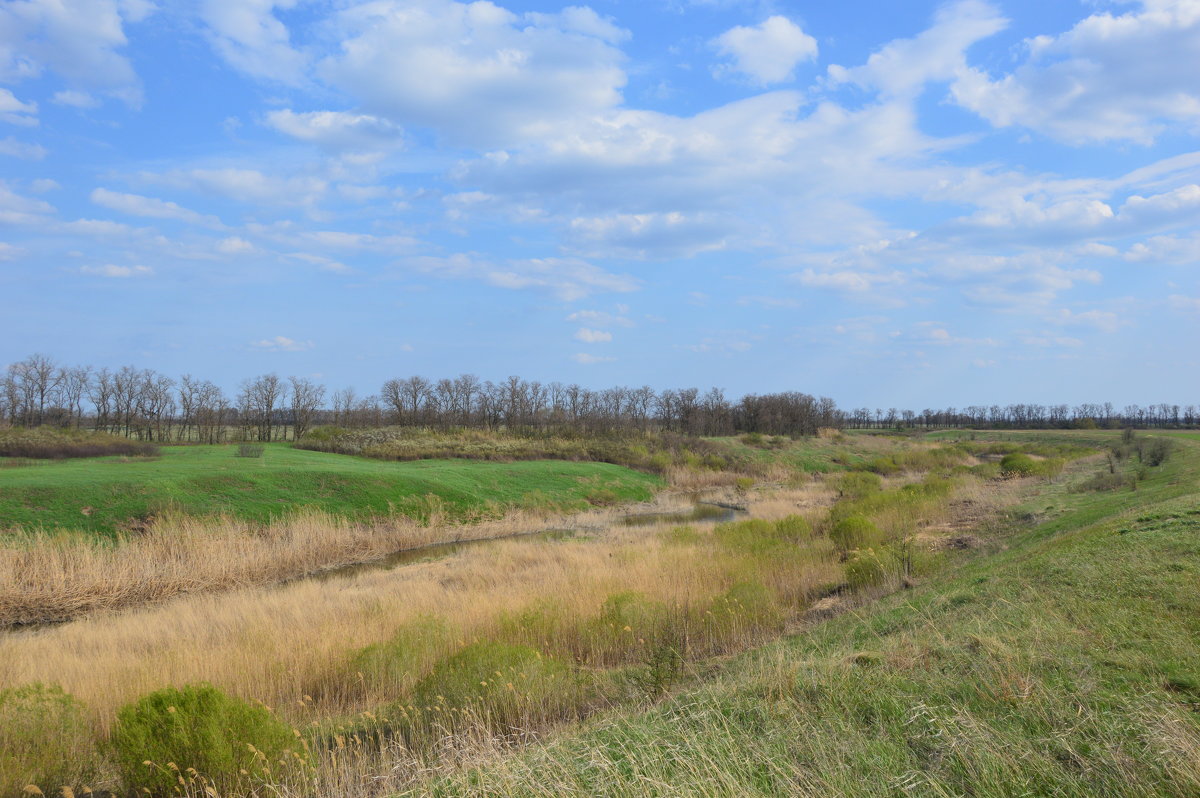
[(888, 203)]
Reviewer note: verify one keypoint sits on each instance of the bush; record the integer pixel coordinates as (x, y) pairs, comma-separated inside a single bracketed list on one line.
[(871, 567), (249, 450), (47, 443), (858, 484), (746, 608), (45, 740), (855, 532), (229, 742), (1018, 465), (501, 685), (395, 663)]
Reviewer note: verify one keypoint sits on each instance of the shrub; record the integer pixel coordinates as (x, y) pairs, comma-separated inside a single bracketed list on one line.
[(1018, 465), (793, 527), (855, 532), (745, 608), (396, 663), (47, 443), (45, 740), (871, 567), (229, 742), (755, 536), (500, 685), (1156, 451), (249, 450), (744, 483), (858, 484)]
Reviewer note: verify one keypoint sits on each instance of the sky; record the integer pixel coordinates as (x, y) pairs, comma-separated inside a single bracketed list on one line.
[(893, 204)]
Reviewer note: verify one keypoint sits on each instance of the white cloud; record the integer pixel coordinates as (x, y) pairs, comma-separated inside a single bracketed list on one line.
[(20, 149), (1184, 303), (475, 72), (587, 360), (137, 205), (77, 40), (75, 99), (600, 318), (590, 336), (18, 210), (1109, 77), (248, 35), (120, 272), (904, 66), (642, 235), (16, 112), (9, 252), (282, 344), (1102, 320), (568, 279), (767, 53), (850, 281), (234, 245), (247, 185), (338, 130)]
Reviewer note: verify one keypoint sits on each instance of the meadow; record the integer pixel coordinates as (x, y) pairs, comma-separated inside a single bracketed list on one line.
[(108, 495), (380, 681)]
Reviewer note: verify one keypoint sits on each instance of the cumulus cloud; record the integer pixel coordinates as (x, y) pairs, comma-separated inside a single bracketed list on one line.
[(475, 72), (590, 336), (1184, 303), (119, 272), (1088, 84), (137, 205), (338, 130), (249, 36), (766, 53), (234, 245), (282, 344), (75, 99), (905, 66), (79, 41), (16, 209)]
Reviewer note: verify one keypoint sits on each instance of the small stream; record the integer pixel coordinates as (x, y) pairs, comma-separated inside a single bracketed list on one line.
[(701, 512)]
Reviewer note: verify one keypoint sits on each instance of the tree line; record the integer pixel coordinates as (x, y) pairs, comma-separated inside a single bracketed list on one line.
[(151, 406), (147, 405)]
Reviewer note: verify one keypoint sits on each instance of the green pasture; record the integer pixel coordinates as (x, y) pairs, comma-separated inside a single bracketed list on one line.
[(108, 494)]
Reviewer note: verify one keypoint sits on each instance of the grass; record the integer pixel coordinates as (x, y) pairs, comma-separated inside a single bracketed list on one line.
[(1067, 664), (109, 494), (619, 618)]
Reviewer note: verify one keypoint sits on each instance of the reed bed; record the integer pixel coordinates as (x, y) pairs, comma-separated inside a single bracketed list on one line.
[(59, 577)]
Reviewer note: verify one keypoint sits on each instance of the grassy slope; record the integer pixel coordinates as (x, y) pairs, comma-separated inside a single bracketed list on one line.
[(1067, 665), (206, 480)]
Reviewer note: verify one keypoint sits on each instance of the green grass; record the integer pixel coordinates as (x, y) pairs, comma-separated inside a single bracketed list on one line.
[(107, 494), (1067, 664)]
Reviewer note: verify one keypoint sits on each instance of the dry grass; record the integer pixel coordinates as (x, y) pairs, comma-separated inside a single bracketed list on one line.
[(56, 578)]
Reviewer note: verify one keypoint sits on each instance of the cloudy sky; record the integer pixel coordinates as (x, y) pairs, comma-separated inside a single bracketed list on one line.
[(888, 203)]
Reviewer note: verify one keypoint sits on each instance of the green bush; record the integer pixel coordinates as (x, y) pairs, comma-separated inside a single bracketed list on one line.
[(855, 532), (871, 567), (858, 484), (396, 663), (1018, 464), (499, 685), (793, 527), (746, 608), (45, 740), (229, 742)]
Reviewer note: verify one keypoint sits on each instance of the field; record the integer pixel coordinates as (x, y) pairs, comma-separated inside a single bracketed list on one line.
[(911, 619), (109, 494), (1066, 664)]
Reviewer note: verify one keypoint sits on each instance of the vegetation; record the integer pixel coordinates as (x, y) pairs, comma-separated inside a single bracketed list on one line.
[(46, 740), (197, 735), (113, 495), (57, 444), (1068, 664)]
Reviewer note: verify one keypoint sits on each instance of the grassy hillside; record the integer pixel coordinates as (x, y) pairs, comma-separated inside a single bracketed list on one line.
[(111, 493), (1067, 664)]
